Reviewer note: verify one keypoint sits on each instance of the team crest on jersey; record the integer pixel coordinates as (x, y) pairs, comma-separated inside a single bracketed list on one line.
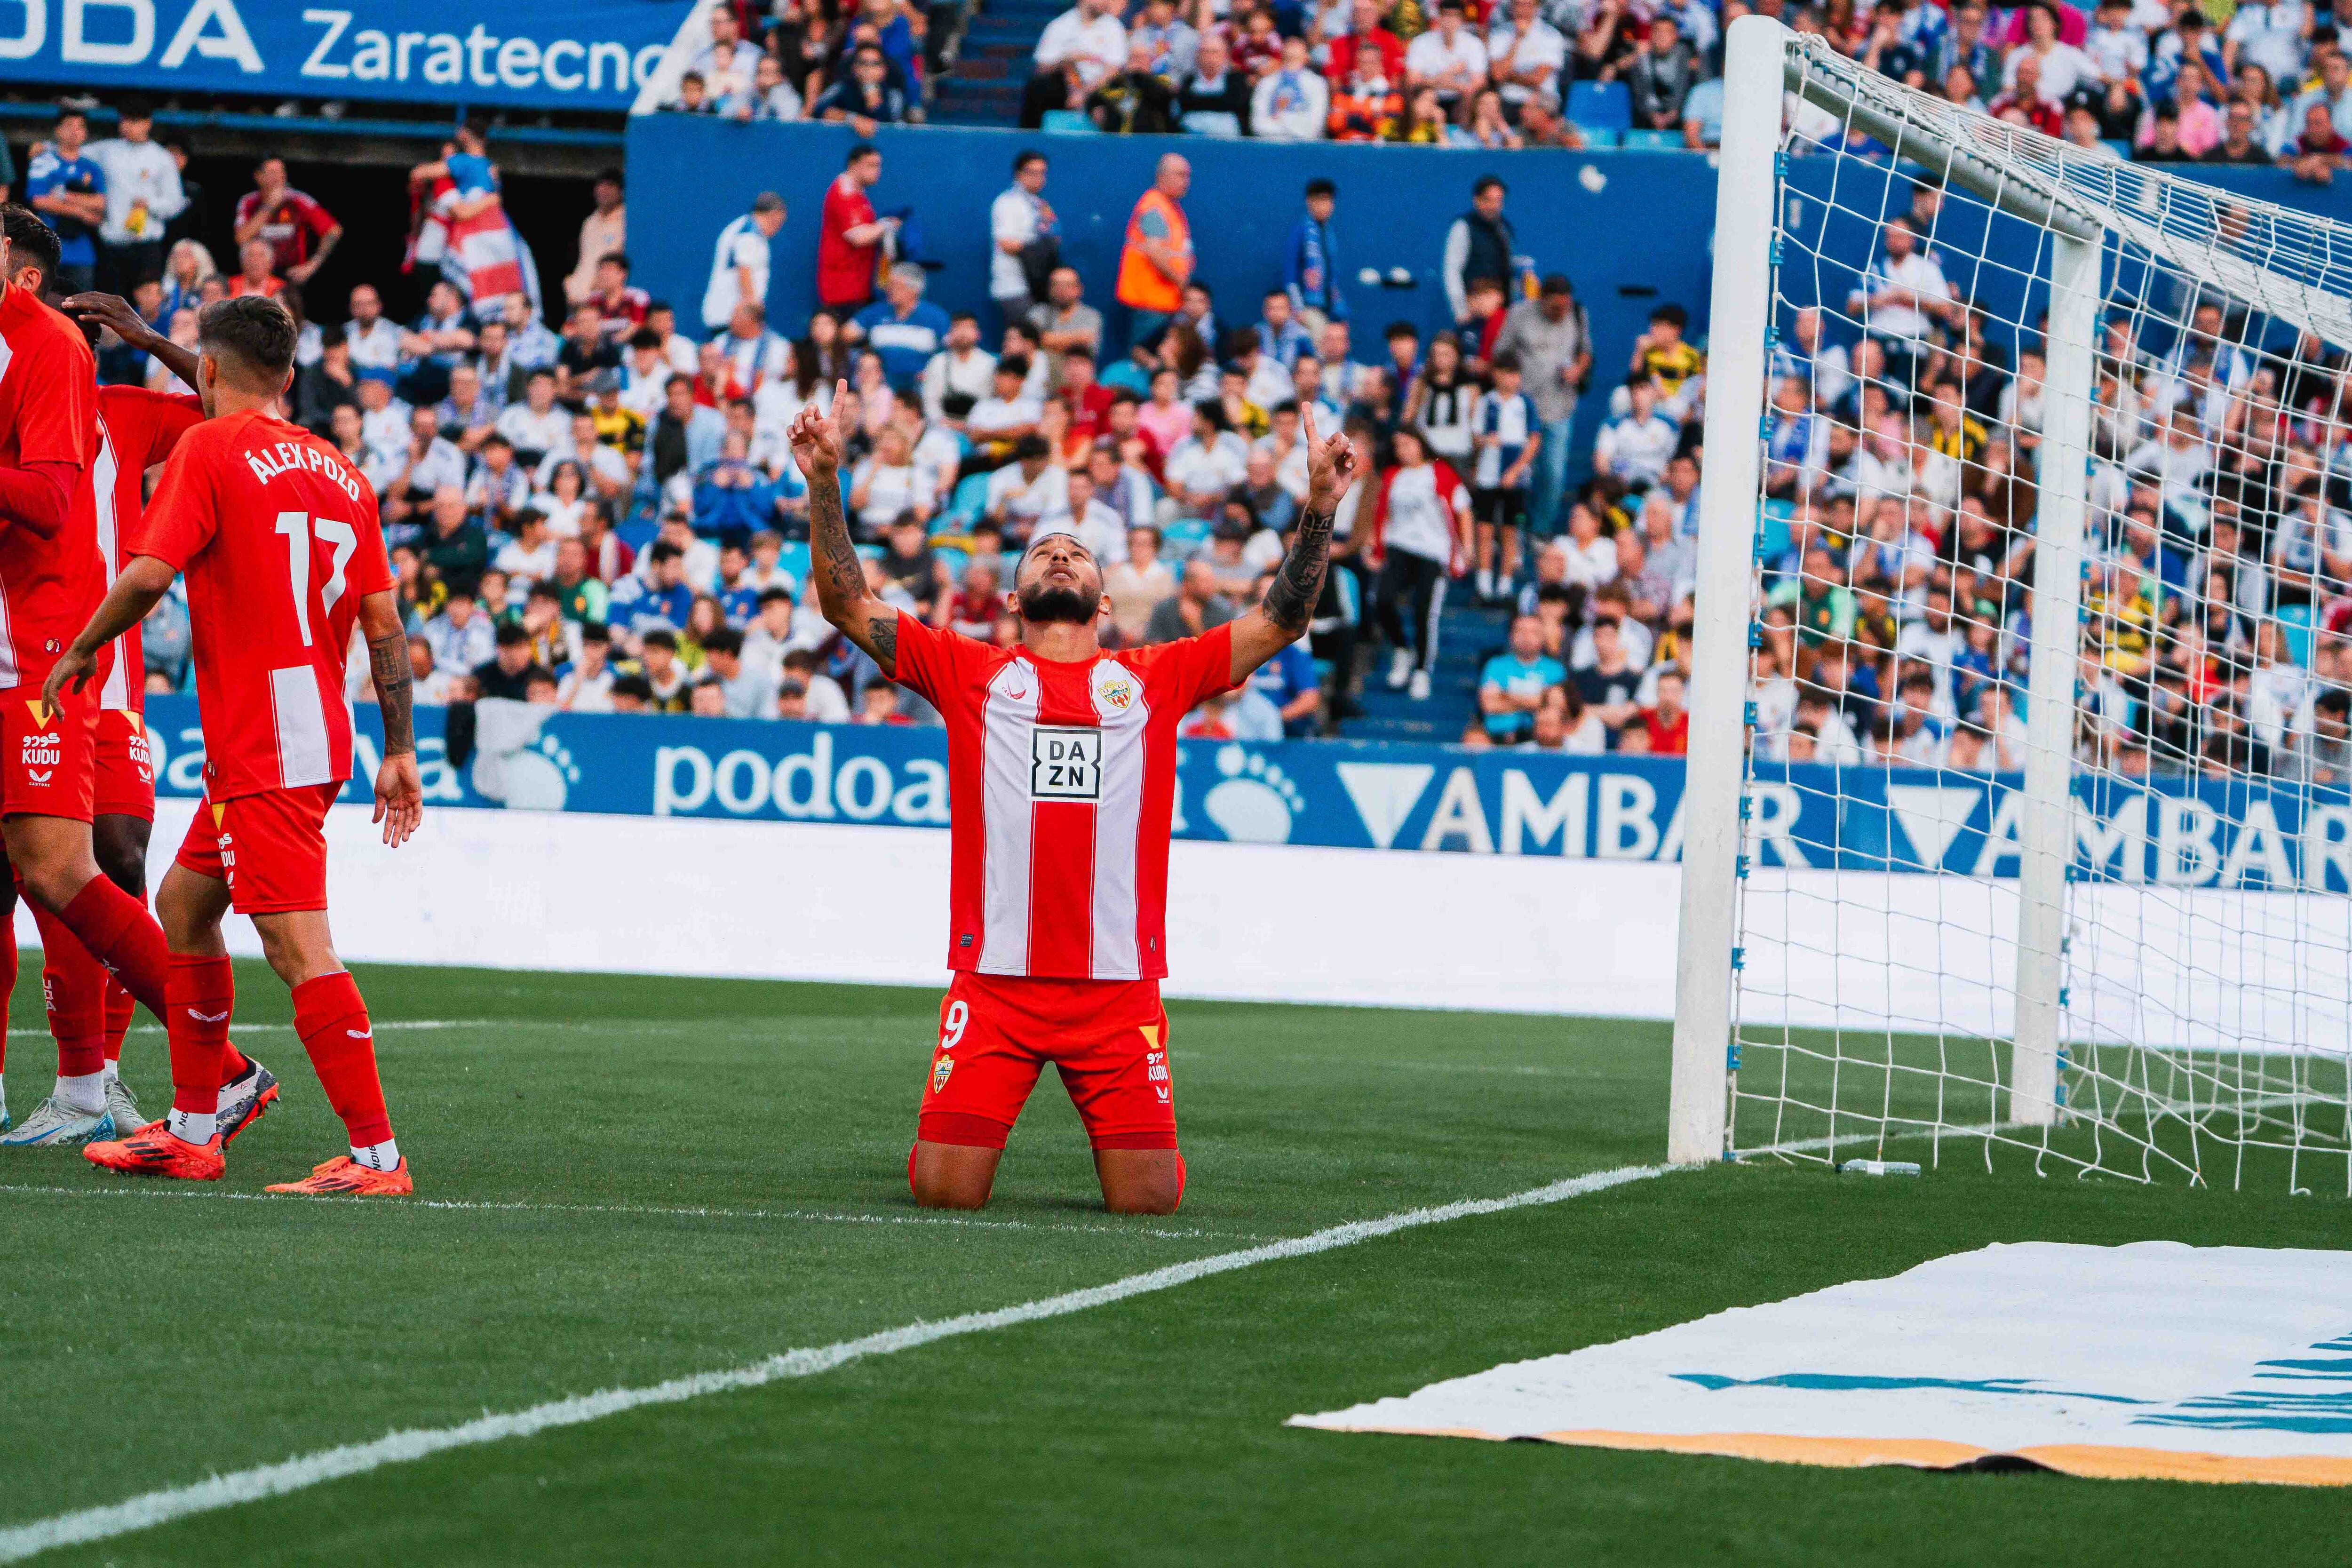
[(1114, 688), (940, 1070), (1064, 763)]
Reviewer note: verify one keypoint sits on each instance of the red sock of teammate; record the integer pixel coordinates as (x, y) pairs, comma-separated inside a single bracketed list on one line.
[(332, 1020), (75, 989), (120, 934), (204, 994), (118, 1009)]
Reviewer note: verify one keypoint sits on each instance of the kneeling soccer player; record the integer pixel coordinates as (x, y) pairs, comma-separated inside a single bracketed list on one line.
[(283, 555), (1062, 781)]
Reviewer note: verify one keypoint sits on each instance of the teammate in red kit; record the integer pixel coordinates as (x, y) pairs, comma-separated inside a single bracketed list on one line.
[(50, 575), (1062, 779), (283, 555)]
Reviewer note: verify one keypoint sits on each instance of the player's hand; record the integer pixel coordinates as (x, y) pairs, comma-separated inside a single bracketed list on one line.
[(820, 440), (399, 797), (72, 670), (115, 313), (1331, 464)]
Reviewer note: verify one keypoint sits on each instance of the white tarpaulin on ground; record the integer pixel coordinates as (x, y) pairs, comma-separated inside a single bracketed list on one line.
[(2156, 1359)]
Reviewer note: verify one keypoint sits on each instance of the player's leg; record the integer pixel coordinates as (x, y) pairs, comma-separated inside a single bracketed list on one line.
[(280, 881), (981, 1073), (7, 977), (73, 994), (119, 841), (1117, 1075), (193, 902)]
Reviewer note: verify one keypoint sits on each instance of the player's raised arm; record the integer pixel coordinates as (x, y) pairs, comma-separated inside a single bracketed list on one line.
[(818, 440), (399, 791), (143, 582), (118, 315), (1281, 620)]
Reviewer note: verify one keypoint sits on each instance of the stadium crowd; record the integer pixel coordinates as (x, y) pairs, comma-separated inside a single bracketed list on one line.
[(2157, 80)]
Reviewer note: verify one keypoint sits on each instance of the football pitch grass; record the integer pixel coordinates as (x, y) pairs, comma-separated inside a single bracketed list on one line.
[(648, 1179)]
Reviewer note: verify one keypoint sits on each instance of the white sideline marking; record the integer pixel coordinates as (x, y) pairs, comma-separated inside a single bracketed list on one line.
[(397, 1205), (254, 1485)]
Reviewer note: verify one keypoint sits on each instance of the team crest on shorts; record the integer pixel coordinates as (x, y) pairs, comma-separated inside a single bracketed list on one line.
[(1114, 688), (940, 1070)]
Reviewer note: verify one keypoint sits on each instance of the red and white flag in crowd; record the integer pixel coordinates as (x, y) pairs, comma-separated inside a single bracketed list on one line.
[(482, 255)]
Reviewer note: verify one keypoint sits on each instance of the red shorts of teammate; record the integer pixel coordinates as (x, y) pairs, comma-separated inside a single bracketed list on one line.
[(1108, 1038), (126, 769), (271, 847), (46, 754)]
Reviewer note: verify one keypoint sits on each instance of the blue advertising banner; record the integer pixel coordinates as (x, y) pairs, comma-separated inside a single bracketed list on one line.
[(584, 54), (2175, 832)]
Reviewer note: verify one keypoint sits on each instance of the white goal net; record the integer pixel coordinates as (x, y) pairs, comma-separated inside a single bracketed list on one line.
[(2029, 809)]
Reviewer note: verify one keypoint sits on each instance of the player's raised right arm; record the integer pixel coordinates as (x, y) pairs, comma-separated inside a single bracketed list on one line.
[(818, 441)]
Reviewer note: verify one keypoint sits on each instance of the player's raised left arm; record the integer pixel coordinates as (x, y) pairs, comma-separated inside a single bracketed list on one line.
[(143, 580), (399, 792), (1281, 619)]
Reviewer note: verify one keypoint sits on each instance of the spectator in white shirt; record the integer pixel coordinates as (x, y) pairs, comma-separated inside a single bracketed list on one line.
[(143, 194), (962, 371), (2063, 67), (1448, 58), (604, 468), (1637, 447), (1030, 491), (773, 97), (1290, 102), (888, 485), (375, 342), (1900, 293), (740, 263), (1205, 465), (1016, 219), (383, 418), (645, 371), (2272, 36), (585, 685), (1077, 51), (1102, 531), (1526, 54)]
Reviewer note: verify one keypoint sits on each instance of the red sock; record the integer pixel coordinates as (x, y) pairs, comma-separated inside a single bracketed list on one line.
[(333, 1023), (233, 1061), (204, 994), (74, 986), (118, 1009), (120, 934)]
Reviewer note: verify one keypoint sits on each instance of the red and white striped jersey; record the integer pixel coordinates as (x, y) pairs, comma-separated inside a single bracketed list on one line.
[(136, 430), (1061, 789)]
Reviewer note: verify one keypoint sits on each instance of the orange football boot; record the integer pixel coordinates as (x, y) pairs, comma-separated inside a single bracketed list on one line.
[(343, 1176), (154, 1151)]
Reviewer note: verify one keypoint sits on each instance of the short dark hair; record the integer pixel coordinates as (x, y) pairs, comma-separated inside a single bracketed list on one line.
[(1402, 330), (1031, 446), (861, 150), (30, 241), (611, 176), (1026, 156), (68, 112), (254, 332), (723, 639), (663, 550), (511, 633), (1015, 366), (660, 636), (1322, 187), (619, 258), (595, 631), (1487, 182), (544, 590), (635, 685)]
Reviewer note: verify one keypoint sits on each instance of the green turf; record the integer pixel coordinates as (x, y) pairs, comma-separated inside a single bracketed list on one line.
[(150, 1340)]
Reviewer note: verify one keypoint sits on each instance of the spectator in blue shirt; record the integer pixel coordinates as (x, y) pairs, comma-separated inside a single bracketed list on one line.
[(1311, 265), (732, 500), (666, 600), (69, 192), (905, 329), (1513, 684)]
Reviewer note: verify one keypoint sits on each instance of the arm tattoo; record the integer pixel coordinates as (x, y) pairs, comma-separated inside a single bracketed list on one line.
[(1290, 601), (394, 692), (841, 579)]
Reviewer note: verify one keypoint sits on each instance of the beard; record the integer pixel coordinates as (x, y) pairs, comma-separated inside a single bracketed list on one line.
[(1043, 605)]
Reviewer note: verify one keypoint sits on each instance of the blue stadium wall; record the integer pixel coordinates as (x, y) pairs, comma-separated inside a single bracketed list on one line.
[(1632, 228)]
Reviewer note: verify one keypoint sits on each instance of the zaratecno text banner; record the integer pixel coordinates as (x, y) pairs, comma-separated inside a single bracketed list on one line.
[(2163, 833), (2154, 1360), (583, 54)]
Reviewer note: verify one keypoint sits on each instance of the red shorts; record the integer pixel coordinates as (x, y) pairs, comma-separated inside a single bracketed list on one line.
[(126, 769), (47, 754), (1108, 1038), (271, 847)]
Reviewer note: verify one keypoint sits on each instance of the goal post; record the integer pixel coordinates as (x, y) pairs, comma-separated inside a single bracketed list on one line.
[(2017, 808)]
